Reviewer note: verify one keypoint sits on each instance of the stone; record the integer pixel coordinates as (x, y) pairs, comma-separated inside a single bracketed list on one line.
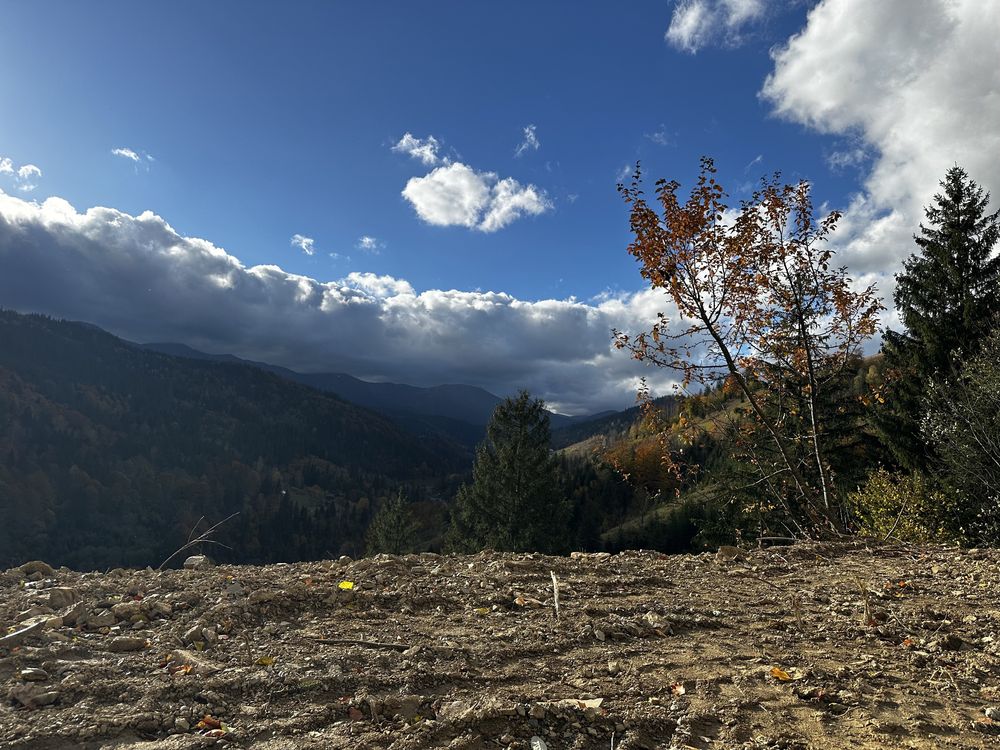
[(181, 724), (36, 567), (198, 562), (126, 643), (537, 712), (62, 596), (199, 666), (104, 619), (992, 713), (18, 636), (33, 696), (33, 674), (126, 610), (74, 614), (728, 552), (192, 634), (455, 711)]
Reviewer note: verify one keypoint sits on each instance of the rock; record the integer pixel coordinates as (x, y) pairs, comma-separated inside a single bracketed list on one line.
[(455, 711), (126, 643), (33, 696), (156, 608), (199, 666), (192, 634), (33, 674), (181, 724), (62, 596), (537, 743), (198, 562), (99, 620), (992, 712), (74, 614), (37, 567), (727, 552), (262, 596), (126, 610), (18, 636), (537, 712)]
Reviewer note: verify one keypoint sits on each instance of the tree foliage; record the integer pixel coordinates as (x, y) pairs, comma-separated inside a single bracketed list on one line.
[(392, 528), (962, 424), (759, 301), (947, 296), (514, 502)]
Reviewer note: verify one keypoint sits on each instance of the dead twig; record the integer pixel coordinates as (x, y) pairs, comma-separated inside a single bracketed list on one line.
[(356, 642), (202, 538)]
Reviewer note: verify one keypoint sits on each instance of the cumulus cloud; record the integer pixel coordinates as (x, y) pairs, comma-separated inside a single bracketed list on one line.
[(458, 195), (137, 277), (695, 24), (305, 244), (24, 177), (913, 84), (424, 149), (530, 142)]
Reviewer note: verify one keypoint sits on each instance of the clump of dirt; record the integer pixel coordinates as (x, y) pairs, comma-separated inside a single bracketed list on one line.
[(811, 646)]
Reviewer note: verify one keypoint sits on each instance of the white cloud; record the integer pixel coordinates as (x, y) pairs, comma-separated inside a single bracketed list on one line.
[(660, 136), (369, 244), (915, 84), (126, 153), (530, 141), (137, 277), (25, 177), (458, 195), (426, 149), (697, 23), (305, 244)]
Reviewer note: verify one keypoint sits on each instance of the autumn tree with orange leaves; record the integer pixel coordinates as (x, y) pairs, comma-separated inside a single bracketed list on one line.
[(759, 303)]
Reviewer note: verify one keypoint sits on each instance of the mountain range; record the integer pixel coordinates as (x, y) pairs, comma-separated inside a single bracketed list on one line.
[(459, 412)]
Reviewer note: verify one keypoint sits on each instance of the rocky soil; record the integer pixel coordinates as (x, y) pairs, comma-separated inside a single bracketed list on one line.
[(811, 646)]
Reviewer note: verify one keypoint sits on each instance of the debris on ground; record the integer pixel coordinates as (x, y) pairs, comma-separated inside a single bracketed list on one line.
[(808, 646)]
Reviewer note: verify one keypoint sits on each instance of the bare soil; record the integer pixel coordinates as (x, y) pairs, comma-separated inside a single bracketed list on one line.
[(809, 646)]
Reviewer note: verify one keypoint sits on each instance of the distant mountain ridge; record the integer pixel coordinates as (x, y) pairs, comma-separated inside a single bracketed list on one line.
[(110, 453), (458, 411)]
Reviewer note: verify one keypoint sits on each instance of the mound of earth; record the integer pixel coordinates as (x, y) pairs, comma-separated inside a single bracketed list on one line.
[(810, 646)]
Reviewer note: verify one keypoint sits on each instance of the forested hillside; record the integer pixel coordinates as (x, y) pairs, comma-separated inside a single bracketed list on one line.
[(109, 454)]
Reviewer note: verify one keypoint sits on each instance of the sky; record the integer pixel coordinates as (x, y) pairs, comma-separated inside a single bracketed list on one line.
[(424, 192)]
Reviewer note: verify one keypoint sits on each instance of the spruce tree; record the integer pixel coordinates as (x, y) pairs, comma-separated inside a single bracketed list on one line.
[(948, 297), (514, 502), (391, 530)]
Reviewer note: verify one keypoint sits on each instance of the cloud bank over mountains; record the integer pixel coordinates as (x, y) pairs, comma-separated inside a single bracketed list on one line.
[(139, 278)]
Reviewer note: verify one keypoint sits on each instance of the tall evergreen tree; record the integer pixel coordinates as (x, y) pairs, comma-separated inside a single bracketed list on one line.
[(514, 502), (948, 297)]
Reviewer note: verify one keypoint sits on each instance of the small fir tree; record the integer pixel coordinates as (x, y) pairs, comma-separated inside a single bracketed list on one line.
[(514, 502), (391, 530)]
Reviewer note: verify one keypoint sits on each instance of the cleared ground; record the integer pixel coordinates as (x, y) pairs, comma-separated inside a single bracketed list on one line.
[(811, 646)]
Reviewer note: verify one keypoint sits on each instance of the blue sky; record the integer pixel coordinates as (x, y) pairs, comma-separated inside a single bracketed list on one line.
[(248, 124)]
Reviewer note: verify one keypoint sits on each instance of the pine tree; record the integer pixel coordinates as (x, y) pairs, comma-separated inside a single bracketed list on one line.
[(391, 530), (948, 298), (514, 502)]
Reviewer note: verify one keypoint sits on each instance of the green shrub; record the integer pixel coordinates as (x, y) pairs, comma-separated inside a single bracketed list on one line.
[(911, 507)]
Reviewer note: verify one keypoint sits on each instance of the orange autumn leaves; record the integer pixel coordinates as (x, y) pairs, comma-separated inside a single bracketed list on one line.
[(759, 303)]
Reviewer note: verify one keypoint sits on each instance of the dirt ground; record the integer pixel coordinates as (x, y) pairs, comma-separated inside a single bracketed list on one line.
[(810, 646)]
